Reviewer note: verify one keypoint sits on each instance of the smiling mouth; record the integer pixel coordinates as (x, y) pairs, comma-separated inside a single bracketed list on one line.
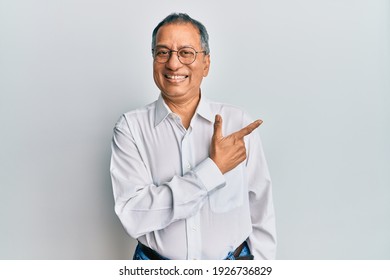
[(176, 78)]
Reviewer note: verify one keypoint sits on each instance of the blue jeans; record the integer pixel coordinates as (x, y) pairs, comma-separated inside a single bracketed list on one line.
[(140, 255)]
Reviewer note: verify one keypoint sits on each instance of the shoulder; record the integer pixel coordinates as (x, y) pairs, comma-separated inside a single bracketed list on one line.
[(233, 117), (214, 105), (230, 111), (140, 115)]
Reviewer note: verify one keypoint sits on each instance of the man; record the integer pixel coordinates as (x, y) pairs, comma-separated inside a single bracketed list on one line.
[(189, 177)]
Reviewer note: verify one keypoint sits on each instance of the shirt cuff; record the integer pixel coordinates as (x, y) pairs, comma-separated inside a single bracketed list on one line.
[(210, 175)]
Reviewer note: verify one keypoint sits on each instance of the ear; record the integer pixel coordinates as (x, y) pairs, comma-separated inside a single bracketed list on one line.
[(206, 65)]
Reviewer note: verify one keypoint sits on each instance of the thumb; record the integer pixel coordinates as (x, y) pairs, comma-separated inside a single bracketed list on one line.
[(218, 126)]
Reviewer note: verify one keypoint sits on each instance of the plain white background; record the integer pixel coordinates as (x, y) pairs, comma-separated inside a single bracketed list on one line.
[(316, 72)]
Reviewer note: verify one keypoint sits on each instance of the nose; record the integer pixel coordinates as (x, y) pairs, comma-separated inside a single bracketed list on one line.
[(173, 62)]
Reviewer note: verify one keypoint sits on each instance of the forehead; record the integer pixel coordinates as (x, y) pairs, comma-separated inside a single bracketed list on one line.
[(178, 34)]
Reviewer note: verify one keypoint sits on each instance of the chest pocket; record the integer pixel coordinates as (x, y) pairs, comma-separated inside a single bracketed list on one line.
[(231, 195)]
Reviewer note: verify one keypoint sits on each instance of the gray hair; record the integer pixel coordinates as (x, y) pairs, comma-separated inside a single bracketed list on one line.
[(184, 18)]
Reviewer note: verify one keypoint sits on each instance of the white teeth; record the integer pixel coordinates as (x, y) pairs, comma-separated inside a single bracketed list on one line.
[(175, 77)]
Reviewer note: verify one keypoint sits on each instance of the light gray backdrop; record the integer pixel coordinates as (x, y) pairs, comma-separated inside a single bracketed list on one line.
[(316, 72)]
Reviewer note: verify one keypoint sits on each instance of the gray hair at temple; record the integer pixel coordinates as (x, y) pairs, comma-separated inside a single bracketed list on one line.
[(184, 18)]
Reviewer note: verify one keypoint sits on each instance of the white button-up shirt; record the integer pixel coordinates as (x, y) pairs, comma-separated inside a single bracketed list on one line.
[(173, 198)]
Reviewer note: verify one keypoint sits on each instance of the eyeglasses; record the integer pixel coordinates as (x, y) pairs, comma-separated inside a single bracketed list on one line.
[(186, 55)]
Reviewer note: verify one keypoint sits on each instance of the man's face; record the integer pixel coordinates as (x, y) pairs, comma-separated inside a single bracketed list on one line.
[(179, 82)]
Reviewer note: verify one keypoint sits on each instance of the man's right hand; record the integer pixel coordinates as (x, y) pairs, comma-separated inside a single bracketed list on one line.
[(228, 152)]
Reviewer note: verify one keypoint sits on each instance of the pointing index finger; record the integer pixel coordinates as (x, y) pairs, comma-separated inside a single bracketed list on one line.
[(248, 129)]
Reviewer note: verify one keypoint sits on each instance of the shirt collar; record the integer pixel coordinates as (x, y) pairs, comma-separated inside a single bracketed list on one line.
[(162, 110), (204, 109)]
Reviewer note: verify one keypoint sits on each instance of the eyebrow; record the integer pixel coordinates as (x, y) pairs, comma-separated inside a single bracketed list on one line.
[(165, 46)]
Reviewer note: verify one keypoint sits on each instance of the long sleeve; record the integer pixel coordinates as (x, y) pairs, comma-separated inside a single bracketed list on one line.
[(141, 205), (262, 240)]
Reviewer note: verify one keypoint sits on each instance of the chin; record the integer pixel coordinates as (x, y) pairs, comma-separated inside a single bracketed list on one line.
[(173, 93)]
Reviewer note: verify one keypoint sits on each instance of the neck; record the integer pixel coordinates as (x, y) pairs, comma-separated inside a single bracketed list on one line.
[(184, 109)]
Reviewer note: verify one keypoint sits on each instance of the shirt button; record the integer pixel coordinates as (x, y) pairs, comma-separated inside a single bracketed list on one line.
[(188, 166)]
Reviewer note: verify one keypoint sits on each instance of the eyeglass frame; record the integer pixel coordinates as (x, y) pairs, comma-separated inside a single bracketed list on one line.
[(178, 57)]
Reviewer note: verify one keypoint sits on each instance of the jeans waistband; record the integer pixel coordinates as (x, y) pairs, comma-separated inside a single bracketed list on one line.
[(242, 252)]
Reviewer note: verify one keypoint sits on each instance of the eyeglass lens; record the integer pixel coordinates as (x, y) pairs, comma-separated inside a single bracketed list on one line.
[(186, 55)]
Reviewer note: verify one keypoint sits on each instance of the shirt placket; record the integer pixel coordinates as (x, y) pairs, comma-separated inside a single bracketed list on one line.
[(193, 222)]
